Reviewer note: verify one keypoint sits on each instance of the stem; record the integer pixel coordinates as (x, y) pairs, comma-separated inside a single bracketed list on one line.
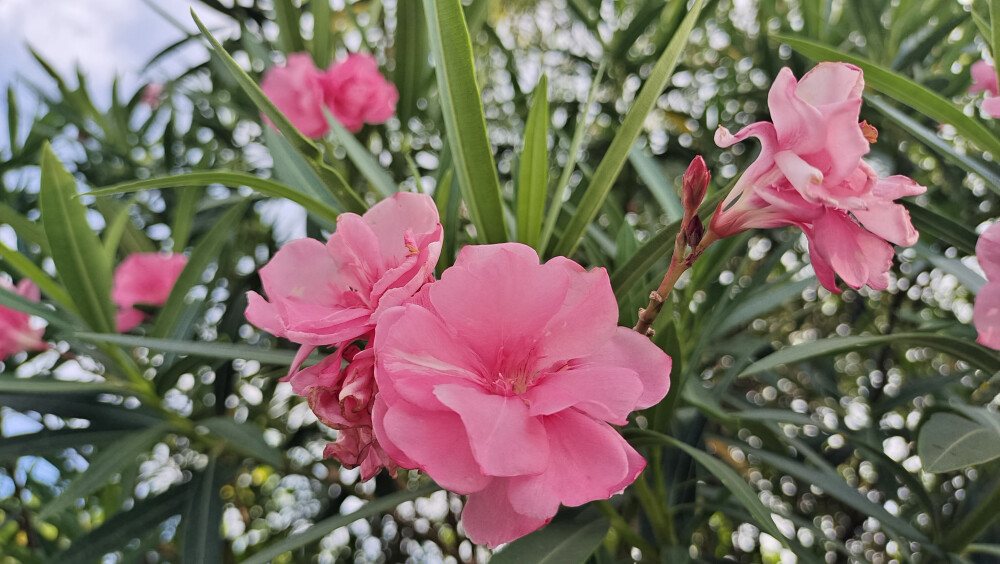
[(969, 529), (678, 265), (622, 528), (660, 518)]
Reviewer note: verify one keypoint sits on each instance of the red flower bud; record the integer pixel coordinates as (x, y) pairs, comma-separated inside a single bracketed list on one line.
[(693, 232), (694, 186)]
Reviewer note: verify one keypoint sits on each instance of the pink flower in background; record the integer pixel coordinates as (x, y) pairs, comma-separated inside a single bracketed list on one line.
[(143, 279), (984, 79), (323, 295), (503, 383), (810, 174), (986, 313), (16, 332), (357, 93), (152, 95), (342, 397), (296, 91), (353, 89)]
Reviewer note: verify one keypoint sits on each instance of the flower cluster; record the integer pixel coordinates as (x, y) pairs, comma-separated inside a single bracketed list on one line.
[(810, 174), (984, 79), (143, 279), (986, 313), (353, 90), (500, 381), (16, 333)]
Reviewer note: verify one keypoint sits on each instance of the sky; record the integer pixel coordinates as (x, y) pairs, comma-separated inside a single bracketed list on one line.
[(104, 37)]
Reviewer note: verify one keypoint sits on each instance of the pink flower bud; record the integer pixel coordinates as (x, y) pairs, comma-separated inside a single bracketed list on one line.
[(695, 184), (694, 231)]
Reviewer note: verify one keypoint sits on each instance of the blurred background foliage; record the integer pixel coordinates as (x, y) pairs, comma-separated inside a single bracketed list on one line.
[(180, 445)]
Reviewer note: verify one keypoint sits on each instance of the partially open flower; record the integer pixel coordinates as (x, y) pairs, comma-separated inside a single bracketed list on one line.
[(295, 90), (503, 384), (810, 174), (984, 79), (16, 333), (357, 93)]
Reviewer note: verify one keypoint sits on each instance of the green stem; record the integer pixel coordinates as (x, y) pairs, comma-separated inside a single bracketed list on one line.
[(659, 516), (975, 523), (649, 553)]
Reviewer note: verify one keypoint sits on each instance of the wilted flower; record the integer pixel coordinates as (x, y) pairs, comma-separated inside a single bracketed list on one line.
[(16, 332), (810, 174), (357, 93), (144, 279), (342, 397), (986, 314), (322, 295), (502, 383)]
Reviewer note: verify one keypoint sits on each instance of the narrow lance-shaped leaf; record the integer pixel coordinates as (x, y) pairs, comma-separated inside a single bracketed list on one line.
[(613, 161), (465, 123), (193, 348), (76, 251), (322, 30), (377, 176), (532, 185), (561, 542)]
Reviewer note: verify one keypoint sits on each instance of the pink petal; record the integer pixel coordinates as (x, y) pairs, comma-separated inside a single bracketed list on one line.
[(984, 78), (831, 83), (146, 278), (488, 517), (628, 349), (856, 255), (588, 316), (505, 439), (802, 176), (29, 290), (606, 392), (588, 461), (501, 303), (128, 318), (986, 315), (296, 91), (991, 105), (398, 214), (988, 252), (435, 440), (799, 125), (890, 221)]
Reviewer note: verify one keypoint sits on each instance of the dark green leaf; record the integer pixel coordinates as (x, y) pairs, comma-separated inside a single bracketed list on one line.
[(950, 442), (559, 542), (532, 186), (245, 438)]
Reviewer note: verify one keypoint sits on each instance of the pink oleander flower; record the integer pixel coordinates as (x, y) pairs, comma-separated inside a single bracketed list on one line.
[(143, 279), (342, 398), (323, 295), (295, 88), (810, 174), (986, 313), (502, 382), (152, 95), (16, 333), (357, 93), (984, 79)]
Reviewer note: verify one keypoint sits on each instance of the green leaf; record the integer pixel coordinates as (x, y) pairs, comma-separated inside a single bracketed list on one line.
[(465, 124), (192, 348), (76, 251), (18, 302), (327, 526), (180, 229), (54, 441), (118, 531), (103, 466), (412, 71), (27, 268), (733, 482), (198, 179), (202, 518), (245, 438), (362, 158), (289, 33), (950, 442), (24, 228), (12, 119), (614, 160), (902, 90), (322, 48), (206, 251), (532, 186), (976, 355), (934, 226), (310, 152), (114, 231), (661, 188), (582, 124), (559, 542)]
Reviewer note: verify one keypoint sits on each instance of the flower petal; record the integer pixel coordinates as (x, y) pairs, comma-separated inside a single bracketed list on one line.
[(489, 518)]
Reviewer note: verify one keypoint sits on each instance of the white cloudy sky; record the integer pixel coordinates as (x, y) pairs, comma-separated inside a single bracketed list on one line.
[(103, 37)]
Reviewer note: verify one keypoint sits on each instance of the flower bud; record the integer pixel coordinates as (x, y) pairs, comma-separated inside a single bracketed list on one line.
[(693, 232), (694, 186)]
